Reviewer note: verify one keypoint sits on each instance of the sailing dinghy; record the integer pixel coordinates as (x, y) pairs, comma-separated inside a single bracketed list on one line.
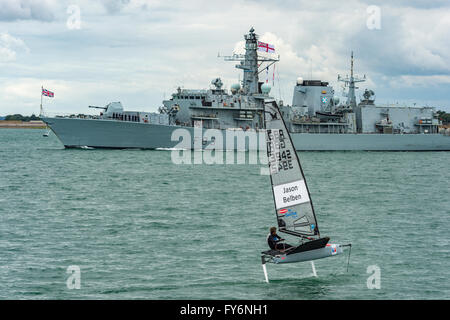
[(293, 206)]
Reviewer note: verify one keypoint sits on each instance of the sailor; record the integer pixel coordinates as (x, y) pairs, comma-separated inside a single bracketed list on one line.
[(275, 240)]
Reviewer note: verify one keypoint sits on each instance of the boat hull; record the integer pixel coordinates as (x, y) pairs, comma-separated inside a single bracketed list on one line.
[(370, 142), (73, 132), (328, 251)]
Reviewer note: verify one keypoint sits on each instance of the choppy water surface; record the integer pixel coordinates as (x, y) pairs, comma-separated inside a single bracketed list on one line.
[(141, 227)]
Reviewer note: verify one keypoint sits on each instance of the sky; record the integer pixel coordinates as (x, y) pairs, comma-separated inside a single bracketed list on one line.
[(139, 51)]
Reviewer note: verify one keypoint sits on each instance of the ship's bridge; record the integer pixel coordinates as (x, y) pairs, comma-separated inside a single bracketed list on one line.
[(219, 108)]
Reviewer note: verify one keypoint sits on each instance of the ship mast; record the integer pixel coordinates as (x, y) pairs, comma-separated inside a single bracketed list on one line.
[(350, 82), (249, 63)]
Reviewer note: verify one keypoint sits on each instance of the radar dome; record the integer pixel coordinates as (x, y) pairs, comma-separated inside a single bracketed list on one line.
[(299, 81), (235, 87), (265, 88)]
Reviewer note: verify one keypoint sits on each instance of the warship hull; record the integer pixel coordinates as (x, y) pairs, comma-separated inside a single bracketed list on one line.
[(74, 133), (371, 142)]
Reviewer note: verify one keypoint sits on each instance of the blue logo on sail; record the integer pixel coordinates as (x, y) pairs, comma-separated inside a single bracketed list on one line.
[(291, 213)]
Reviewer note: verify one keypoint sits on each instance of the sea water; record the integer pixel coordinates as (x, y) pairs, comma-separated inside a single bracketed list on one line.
[(138, 226)]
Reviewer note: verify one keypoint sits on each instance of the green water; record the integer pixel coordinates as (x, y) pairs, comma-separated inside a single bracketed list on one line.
[(140, 227)]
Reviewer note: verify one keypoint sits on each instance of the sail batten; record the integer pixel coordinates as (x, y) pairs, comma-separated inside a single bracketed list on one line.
[(293, 205)]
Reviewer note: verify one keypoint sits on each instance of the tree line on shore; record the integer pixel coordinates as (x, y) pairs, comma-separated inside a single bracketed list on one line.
[(444, 117), (19, 117)]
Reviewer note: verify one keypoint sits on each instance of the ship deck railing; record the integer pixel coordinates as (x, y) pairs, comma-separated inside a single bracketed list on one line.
[(205, 117), (225, 108), (69, 115), (320, 123)]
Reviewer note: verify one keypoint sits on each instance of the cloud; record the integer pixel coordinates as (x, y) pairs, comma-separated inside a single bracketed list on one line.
[(421, 4), (407, 81), (11, 10), (138, 51), (8, 47), (114, 6), (411, 42)]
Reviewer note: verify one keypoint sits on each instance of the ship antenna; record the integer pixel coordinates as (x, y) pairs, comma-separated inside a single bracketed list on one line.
[(350, 82), (351, 66)]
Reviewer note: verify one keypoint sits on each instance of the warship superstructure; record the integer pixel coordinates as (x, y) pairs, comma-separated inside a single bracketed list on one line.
[(317, 120)]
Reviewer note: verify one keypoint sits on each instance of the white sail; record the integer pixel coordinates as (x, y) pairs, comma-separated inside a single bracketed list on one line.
[(293, 206)]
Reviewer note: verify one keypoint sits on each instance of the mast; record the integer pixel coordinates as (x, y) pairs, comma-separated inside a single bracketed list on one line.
[(249, 63), (350, 82), (41, 112)]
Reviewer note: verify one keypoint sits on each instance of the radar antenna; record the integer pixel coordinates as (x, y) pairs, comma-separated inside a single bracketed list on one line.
[(350, 83)]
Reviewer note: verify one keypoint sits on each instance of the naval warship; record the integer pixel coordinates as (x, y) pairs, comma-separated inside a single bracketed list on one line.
[(221, 119)]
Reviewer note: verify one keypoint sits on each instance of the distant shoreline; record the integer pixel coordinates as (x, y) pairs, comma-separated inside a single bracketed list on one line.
[(5, 124)]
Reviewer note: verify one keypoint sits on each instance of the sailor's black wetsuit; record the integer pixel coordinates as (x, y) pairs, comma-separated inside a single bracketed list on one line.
[(273, 241)]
